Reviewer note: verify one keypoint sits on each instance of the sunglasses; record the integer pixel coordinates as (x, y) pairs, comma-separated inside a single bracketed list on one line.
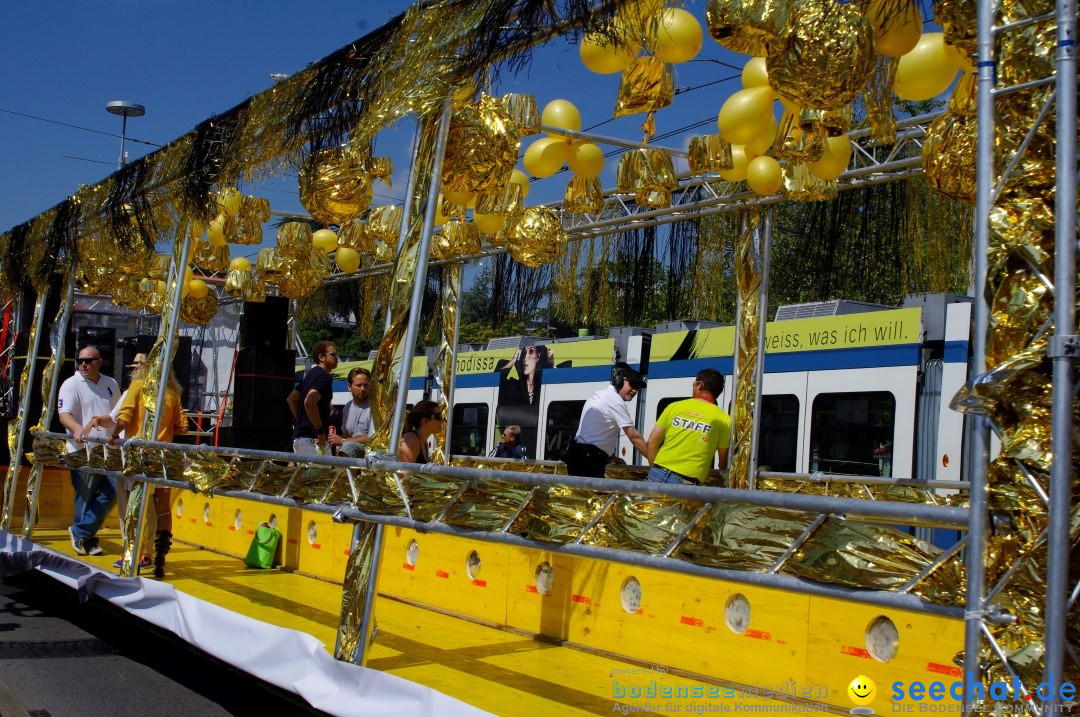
[(82, 360), (332, 353), (437, 417)]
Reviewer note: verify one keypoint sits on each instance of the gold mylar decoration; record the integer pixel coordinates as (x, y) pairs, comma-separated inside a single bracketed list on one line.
[(246, 226), (750, 26), (152, 293), (300, 277), (335, 184), (649, 175), (209, 257), (384, 221), (826, 59), (536, 239), (504, 201), (647, 85), (523, 113), (709, 153), (584, 195), (800, 185), (270, 264), (461, 237), (948, 154), (481, 148), (126, 292), (356, 234), (96, 280), (828, 123), (384, 252), (294, 240), (198, 311), (239, 282), (793, 145)]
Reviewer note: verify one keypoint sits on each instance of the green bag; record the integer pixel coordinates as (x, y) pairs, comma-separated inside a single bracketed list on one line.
[(263, 547)]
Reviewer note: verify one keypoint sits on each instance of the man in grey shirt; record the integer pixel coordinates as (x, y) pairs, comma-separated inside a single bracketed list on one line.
[(355, 417)]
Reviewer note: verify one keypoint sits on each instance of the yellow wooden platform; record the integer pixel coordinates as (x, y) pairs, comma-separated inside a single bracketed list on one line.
[(496, 670)]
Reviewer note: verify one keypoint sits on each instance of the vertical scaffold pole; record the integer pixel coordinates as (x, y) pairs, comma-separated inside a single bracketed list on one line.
[(764, 249), (1064, 349), (980, 435)]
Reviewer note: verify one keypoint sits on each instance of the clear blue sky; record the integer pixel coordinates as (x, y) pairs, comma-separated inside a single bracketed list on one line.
[(188, 59)]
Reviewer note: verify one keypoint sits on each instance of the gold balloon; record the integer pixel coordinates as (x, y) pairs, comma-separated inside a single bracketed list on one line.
[(678, 36), (835, 155), (926, 71), (546, 155), (760, 145), (739, 163), (240, 264), (605, 56), (586, 159), (489, 223), (764, 175), (745, 115), (522, 180), (896, 24), (198, 288), (561, 114), (537, 237), (462, 198), (754, 73), (325, 239), (348, 260)]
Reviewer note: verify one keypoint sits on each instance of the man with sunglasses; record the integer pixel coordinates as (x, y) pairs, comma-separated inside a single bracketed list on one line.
[(310, 405), (85, 396)]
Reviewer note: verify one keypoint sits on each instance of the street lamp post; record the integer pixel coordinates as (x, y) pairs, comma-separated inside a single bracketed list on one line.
[(125, 110)]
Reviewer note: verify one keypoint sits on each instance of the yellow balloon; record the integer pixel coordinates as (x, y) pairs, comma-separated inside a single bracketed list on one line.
[(325, 239), (745, 115), (926, 71), (215, 231), (521, 179), (678, 36), (464, 94), (754, 73), (834, 158), (348, 260), (440, 218), (561, 114), (462, 198), (586, 159), (240, 264), (959, 60), (760, 145), (489, 223), (764, 176), (740, 161), (546, 156), (896, 25), (604, 57), (230, 199), (789, 105), (198, 288), (160, 287)]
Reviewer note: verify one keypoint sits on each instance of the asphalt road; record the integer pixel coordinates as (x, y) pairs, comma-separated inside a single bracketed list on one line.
[(59, 658)]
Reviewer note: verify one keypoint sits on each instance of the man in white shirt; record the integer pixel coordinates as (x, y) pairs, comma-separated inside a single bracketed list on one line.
[(355, 417), (604, 415), (84, 396)]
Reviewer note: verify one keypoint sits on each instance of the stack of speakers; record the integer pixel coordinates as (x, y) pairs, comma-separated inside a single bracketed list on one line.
[(265, 375)]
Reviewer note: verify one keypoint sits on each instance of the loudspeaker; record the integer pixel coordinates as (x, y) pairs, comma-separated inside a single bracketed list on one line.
[(260, 439), (265, 325), (263, 382), (142, 344)]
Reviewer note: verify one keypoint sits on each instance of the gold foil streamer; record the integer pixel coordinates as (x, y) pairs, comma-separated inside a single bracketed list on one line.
[(948, 154), (482, 147), (879, 100), (362, 561), (742, 537), (460, 237), (800, 185), (749, 26), (294, 240), (449, 305), (958, 19), (384, 253), (270, 264), (647, 85), (827, 58), (199, 311), (335, 185), (384, 221), (649, 174), (522, 111), (826, 123), (209, 257), (646, 525), (503, 201), (709, 153), (301, 276), (558, 515), (355, 234), (795, 146), (96, 280), (584, 195), (246, 226), (487, 505), (537, 237), (239, 282), (748, 279)]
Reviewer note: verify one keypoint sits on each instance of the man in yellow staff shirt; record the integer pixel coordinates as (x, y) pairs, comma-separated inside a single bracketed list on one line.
[(688, 434)]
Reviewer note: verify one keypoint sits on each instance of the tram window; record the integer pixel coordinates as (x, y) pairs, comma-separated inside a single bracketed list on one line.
[(853, 433), (665, 402), (562, 422), (470, 429), (778, 437)]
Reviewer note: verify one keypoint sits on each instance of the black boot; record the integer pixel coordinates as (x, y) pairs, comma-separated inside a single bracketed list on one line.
[(162, 544)]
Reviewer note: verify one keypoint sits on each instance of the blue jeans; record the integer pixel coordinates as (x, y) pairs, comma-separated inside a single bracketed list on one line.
[(659, 474), (95, 496)]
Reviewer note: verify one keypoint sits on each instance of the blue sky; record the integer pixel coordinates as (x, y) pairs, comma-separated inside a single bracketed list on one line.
[(188, 59)]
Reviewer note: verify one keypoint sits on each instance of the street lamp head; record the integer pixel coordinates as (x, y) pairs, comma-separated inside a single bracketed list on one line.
[(125, 109)]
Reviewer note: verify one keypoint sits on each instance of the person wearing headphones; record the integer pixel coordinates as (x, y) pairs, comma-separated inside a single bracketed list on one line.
[(604, 415), (689, 433)]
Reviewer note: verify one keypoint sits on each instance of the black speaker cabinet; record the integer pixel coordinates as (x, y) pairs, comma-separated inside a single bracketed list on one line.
[(260, 439), (263, 382), (265, 324)]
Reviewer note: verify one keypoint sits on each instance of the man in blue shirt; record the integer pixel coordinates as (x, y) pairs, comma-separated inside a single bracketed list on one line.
[(510, 446)]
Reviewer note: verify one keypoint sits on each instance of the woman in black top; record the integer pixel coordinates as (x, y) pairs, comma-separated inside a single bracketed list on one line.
[(422, 421)]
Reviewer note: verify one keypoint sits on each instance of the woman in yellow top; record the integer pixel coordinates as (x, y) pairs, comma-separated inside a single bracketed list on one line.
[(173, 421)]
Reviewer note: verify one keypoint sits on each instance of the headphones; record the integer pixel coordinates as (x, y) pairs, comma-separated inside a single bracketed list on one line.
[(618, 376)]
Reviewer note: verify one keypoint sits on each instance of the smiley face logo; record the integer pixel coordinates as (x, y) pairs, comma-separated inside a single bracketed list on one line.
[(862, 690)]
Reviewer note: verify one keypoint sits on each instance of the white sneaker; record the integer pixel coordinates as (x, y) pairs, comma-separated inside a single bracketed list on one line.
[(77, 544)]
